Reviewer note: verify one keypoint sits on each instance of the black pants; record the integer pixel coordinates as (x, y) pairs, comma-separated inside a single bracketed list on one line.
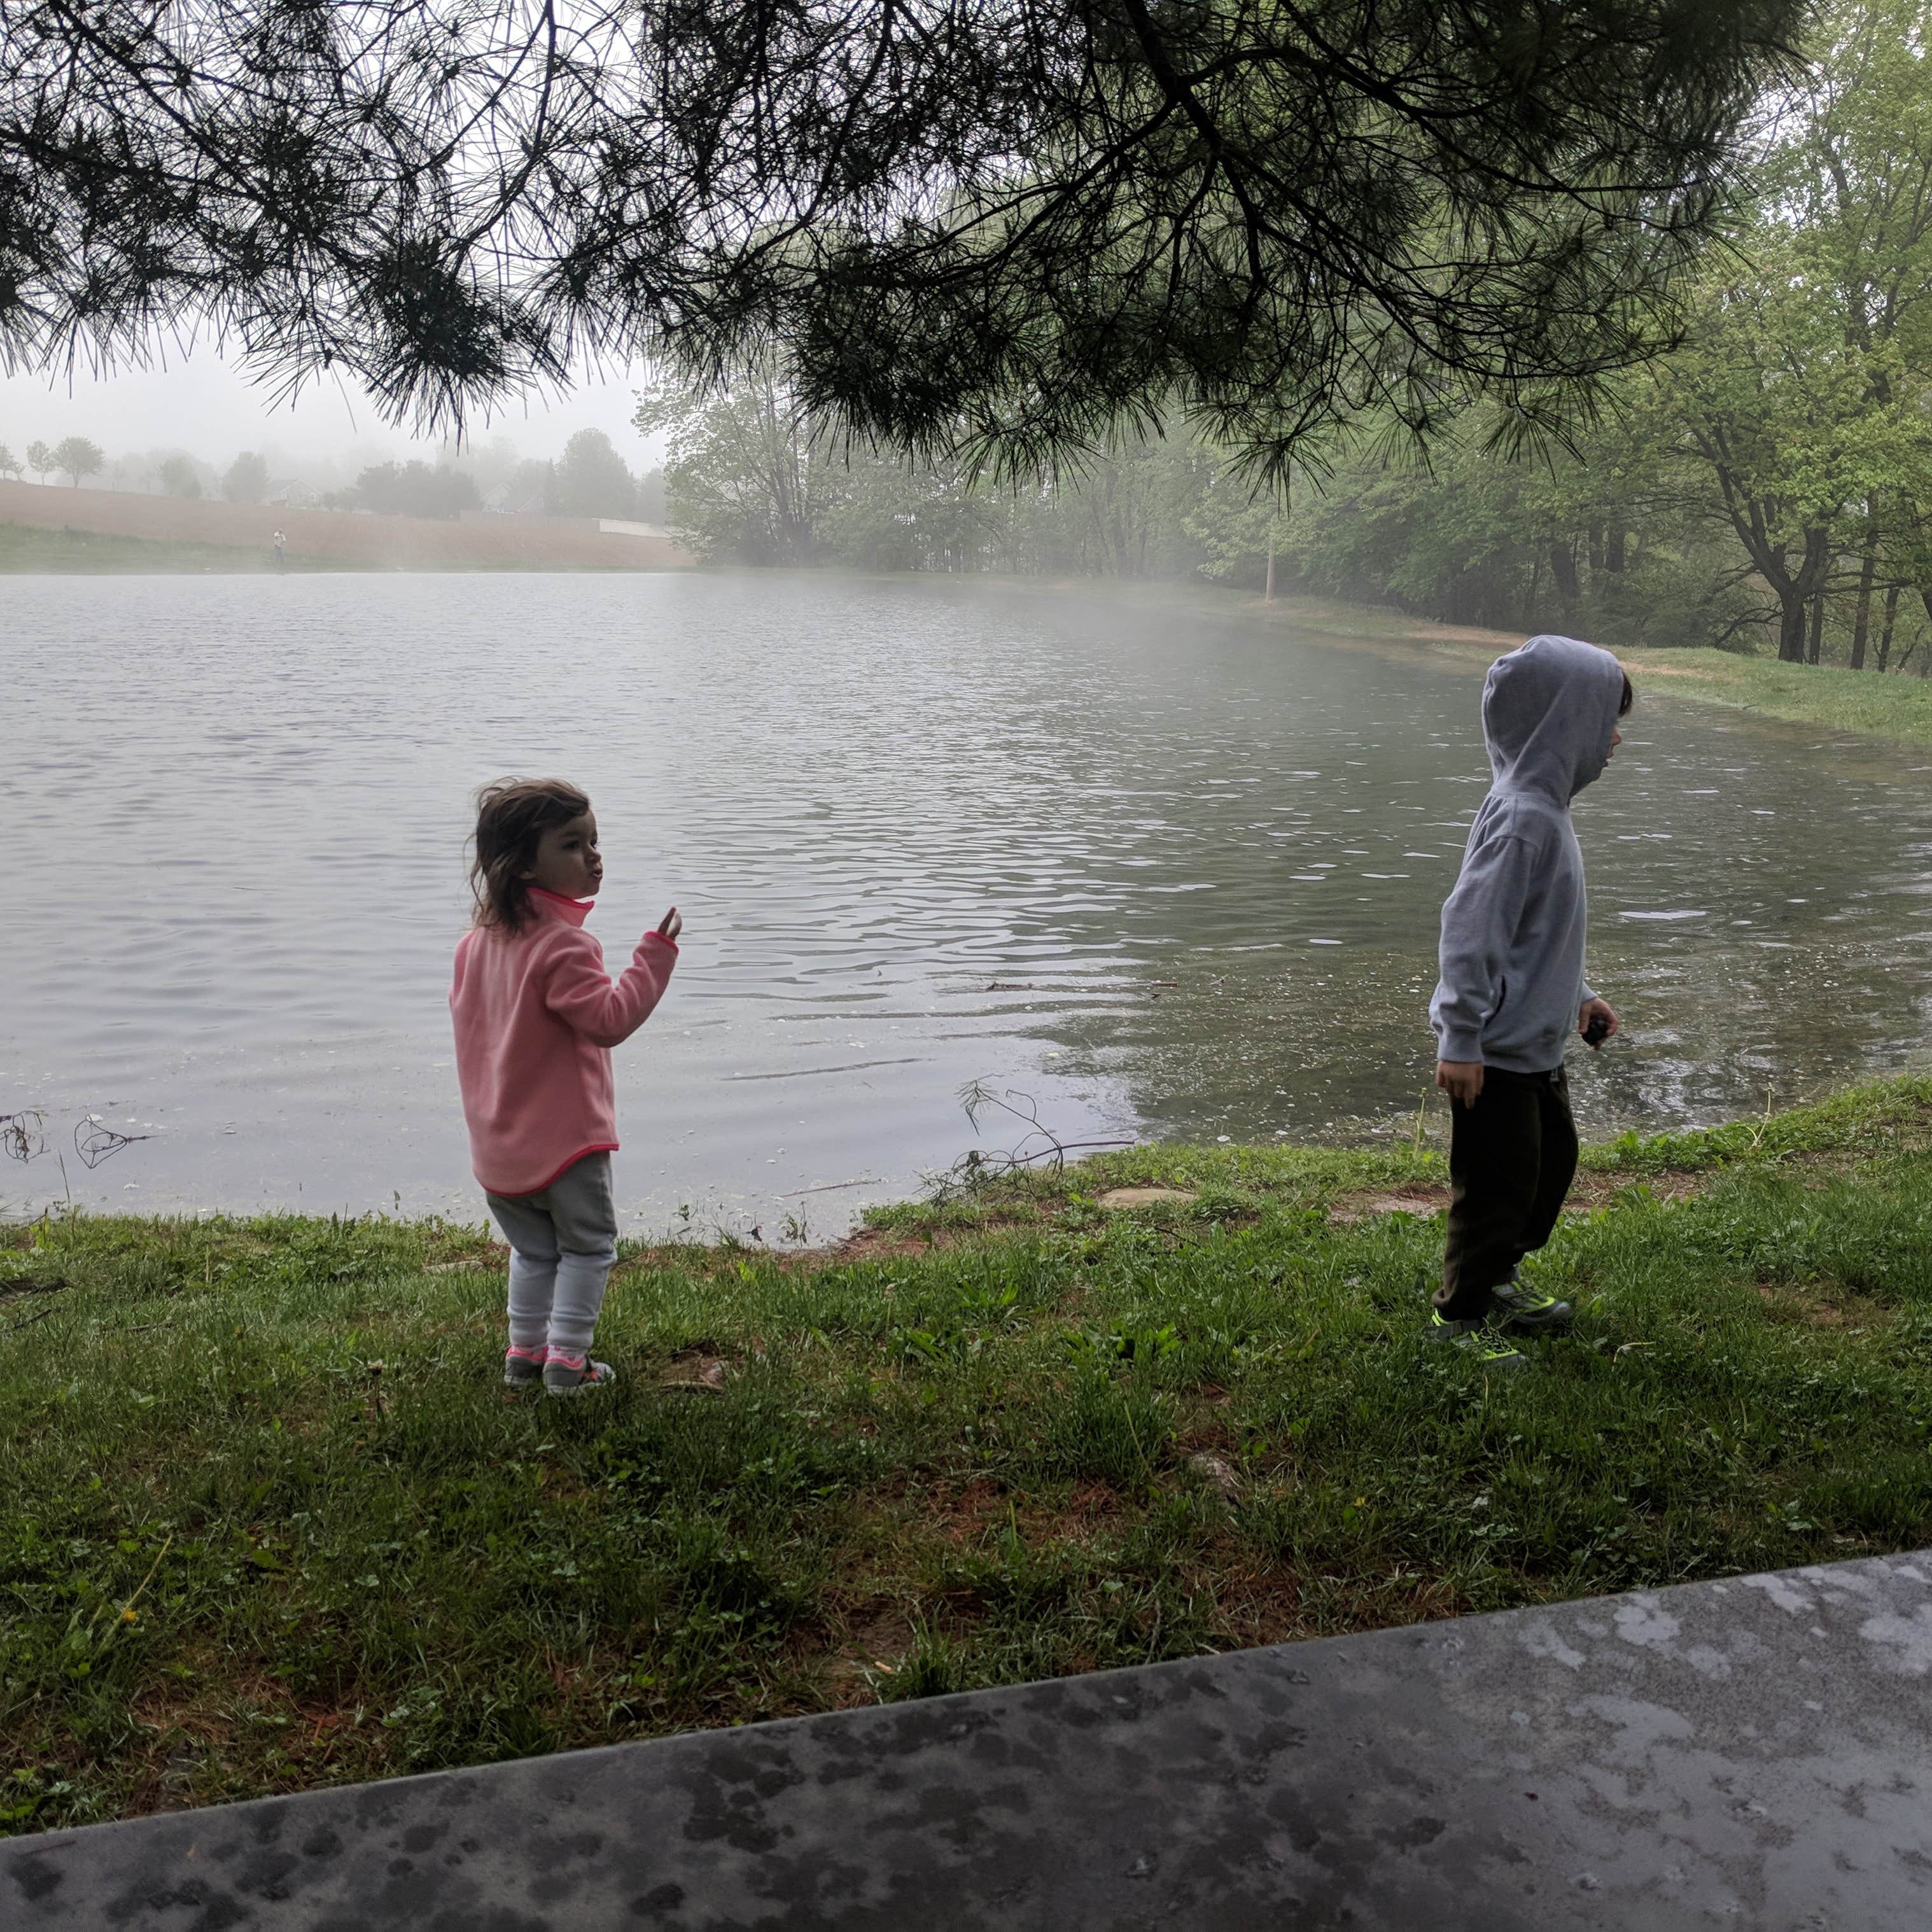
[(1512, 1156)]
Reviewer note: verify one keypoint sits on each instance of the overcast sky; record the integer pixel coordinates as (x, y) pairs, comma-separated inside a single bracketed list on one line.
[(197, 403)]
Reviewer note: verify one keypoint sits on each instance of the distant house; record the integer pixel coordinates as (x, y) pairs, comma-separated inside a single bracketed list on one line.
[(515, 499), (290, 495)]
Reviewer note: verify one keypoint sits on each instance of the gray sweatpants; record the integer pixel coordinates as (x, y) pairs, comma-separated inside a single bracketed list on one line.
[(562, 1241)]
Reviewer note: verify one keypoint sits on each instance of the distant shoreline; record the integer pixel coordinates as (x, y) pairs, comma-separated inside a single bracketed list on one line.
[(25, 552), (59, 531)]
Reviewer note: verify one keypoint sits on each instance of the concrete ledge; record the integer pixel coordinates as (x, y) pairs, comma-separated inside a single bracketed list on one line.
[(1756, 1752)]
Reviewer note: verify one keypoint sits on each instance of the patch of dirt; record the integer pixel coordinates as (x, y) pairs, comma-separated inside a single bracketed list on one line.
[(701, 1365), (1211, 1432), (873, 1244), (967, 1517), (888, 1244), (1463, 634), (1588, 1191), (1257, 1606), (1851, 1314), (189, 1726), (1346, 1209), (874, 1649), (1591, 1191), (1092, 1507), (30, 1284), (1118, 1197)]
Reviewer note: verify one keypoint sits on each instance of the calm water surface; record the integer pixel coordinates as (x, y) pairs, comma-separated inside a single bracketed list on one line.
[(1162, 875)]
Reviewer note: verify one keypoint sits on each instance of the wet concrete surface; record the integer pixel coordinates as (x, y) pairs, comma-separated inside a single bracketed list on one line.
[(1751, 1753)]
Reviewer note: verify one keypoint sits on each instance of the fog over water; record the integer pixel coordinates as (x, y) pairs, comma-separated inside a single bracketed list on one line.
[(1166, 875)]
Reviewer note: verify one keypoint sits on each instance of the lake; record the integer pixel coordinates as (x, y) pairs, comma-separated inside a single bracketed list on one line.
[(1150, 872)]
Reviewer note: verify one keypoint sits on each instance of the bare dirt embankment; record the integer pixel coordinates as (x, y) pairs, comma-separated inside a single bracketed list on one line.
[(338, 538)]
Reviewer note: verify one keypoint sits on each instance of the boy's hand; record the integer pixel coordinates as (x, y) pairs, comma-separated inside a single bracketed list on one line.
[(670, 925), (1460, 1079), (1601, 1013)]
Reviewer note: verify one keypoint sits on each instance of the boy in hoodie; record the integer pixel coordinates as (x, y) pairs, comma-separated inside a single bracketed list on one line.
[(1513, 986)]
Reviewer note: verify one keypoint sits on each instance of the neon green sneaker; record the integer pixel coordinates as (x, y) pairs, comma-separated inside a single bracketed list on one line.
[(1481, 1341), (1523, 1310)]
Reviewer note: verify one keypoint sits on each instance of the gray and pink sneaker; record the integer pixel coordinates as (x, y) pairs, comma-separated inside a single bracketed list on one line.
[(575, 1374), (523, 1368)]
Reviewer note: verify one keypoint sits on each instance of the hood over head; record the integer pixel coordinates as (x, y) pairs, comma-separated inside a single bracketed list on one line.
[(1549, 708)]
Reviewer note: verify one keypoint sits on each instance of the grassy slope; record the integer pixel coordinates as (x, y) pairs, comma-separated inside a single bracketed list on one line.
[(267, 1520), (23, 548), (1831, 699), (1826, 697)]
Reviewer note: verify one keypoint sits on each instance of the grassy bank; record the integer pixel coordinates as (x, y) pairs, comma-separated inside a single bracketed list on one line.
[(267, 1520), (24, 549), (1824, 696), (1821, 695)]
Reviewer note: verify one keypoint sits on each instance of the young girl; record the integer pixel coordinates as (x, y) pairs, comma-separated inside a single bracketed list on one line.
[(536, 1017)]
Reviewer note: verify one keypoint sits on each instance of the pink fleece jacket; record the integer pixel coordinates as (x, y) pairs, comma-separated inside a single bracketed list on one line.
[(536, 1017)]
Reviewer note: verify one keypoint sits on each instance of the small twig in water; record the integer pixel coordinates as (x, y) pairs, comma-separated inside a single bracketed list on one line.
[(973, 1167), (94, 1142), (23, 1137)]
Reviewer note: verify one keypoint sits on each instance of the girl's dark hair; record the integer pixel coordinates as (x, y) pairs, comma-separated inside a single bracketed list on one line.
[(512, 815), (1629, 697)]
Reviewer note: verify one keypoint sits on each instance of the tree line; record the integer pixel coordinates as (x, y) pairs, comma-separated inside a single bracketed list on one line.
[(590, 479), (1766, 485), (74, 456)]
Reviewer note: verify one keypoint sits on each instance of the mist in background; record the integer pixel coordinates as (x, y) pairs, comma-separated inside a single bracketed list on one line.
[(195, 410)]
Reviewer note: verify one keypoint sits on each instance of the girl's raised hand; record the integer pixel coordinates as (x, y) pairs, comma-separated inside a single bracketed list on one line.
[(670, 925)]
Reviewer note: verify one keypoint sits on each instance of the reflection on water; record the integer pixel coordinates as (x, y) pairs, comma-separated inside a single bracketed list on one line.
[(1166, 875)]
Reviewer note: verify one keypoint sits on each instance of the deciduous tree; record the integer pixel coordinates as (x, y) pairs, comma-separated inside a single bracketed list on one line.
[(247, 481), (79, 458), (177, 477), (591, 479)]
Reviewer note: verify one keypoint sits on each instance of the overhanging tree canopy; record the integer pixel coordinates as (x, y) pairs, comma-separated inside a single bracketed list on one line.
[(1001, 225)]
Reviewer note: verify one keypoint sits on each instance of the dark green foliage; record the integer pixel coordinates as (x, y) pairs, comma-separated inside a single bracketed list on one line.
[(1006, 223), (1065, 1439)]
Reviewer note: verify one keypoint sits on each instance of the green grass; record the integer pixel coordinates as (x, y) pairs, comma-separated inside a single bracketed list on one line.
[(1826, 697), (24, 548), (268, 1521), (1822, 695)]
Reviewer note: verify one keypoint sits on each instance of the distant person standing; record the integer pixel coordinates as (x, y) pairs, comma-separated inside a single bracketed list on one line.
[(281, 550), (1512, 986)]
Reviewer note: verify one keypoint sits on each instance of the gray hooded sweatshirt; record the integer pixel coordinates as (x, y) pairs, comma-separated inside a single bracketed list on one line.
[(1512, 952)]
